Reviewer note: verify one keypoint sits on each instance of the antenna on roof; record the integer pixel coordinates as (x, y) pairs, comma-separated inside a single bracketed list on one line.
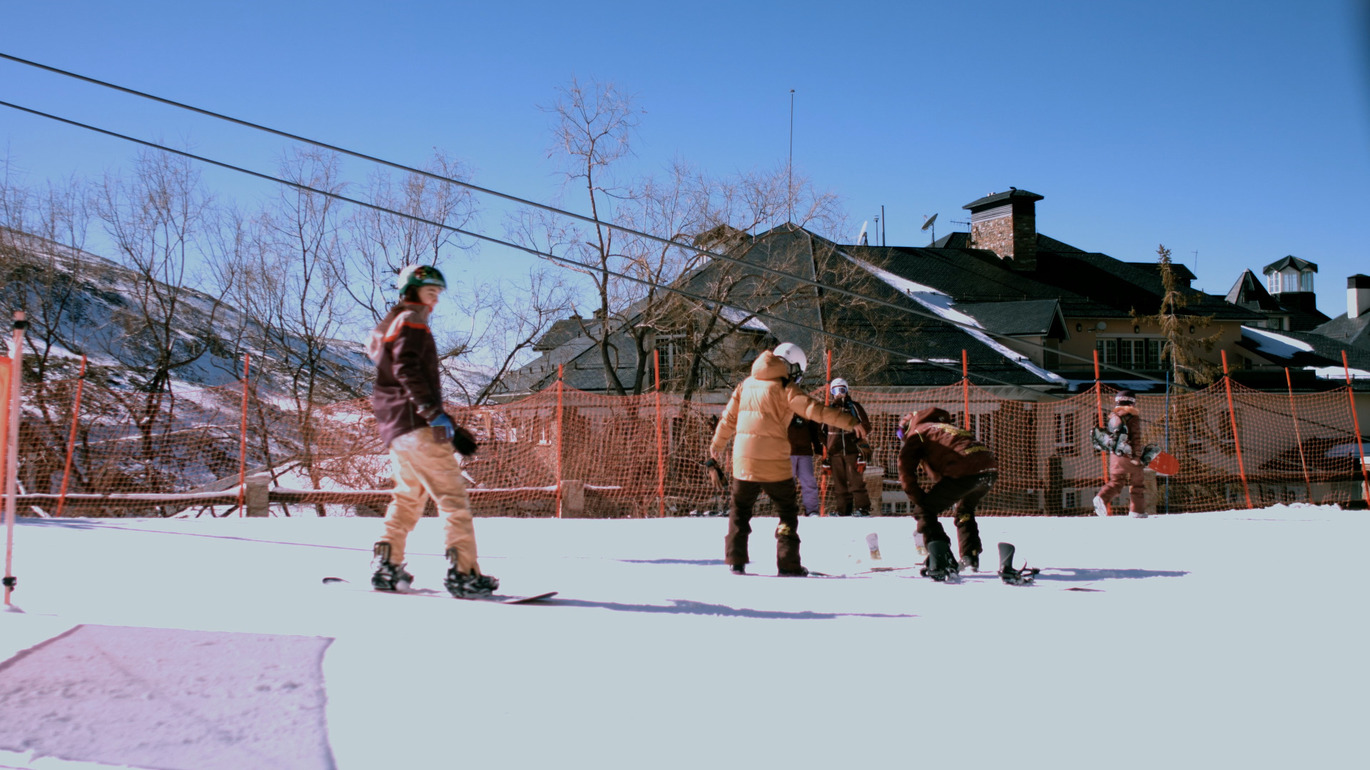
[(927, 225)]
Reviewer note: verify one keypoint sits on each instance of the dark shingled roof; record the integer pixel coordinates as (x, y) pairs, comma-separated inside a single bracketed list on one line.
[(1283, 262), (1251, 294), (1347, 330)]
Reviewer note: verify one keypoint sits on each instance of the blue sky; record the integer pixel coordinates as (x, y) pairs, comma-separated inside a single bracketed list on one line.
[(1238, 130)]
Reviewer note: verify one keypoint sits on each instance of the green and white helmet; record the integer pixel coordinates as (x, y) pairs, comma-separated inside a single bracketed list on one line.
[(415, 276)]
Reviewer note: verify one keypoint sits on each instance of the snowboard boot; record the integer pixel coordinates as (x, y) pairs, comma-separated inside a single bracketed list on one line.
[(388, 576), (1015, 577), (941, 566), (467, 585), (794, 572), (970, 563), (1100, 507), (738, 569)]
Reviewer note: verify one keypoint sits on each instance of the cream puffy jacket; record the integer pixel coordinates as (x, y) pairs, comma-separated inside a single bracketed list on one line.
[(759, 415)]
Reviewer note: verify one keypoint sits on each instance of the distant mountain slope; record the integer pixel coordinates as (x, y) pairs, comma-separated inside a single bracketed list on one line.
[(81, 303)]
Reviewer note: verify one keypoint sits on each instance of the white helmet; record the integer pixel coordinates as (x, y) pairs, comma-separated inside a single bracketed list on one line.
[(838, 387), (794, 356)]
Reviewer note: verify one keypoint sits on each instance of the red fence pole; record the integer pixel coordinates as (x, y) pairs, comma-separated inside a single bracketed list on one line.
[(1360, 444), (12, 445), (560, 384), (242, 441), (1298, 437), (71, 440), (1232, 413), (660, 450)]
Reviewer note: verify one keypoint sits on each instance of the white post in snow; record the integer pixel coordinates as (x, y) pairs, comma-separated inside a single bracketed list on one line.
[(12, 455)]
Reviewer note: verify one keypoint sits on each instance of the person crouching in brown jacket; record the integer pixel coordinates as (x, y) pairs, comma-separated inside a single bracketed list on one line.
[(759, 414), (962, 470)]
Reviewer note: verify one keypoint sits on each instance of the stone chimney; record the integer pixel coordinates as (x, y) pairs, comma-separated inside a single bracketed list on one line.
[(1006, 224), (1357, 295)]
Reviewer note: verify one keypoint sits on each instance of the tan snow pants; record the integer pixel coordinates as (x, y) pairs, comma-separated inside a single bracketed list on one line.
[(424, 468)]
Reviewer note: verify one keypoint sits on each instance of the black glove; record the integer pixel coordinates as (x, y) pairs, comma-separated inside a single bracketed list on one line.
[(463, 441)]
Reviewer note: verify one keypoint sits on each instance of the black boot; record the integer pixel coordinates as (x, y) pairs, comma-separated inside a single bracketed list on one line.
[(468, 585), (941, 565), (388, 575)]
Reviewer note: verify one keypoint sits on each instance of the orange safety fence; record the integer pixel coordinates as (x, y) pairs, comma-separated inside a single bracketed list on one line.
[(571, 453)]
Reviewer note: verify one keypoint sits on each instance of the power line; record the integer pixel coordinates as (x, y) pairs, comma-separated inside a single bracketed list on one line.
[(542, 206), (491, 239)]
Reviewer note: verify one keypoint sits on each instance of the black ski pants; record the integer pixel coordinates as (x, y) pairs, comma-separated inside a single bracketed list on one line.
[(786, 499), (965, 493)]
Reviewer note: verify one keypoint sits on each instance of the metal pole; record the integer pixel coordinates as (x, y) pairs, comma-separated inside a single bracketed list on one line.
[(71, 440), (12, 444), (1167, 436)]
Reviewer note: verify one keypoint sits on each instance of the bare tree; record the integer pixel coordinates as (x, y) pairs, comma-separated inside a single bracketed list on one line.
[(299, 293), (593, 130), (381, 244), (1183, 349), (155, 223)]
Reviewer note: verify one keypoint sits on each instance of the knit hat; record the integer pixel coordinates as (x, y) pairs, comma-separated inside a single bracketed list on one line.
[(1125, 397)]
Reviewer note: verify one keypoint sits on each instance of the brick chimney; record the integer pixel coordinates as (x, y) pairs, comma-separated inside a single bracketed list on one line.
[(1006, 224), (1357, 295)]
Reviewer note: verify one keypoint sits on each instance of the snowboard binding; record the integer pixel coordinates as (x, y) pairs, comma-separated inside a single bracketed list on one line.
[(1014, 577), (941, 565)]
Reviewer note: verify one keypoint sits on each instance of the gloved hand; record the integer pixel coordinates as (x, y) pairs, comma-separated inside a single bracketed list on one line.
[(443, 427), (464, 441)]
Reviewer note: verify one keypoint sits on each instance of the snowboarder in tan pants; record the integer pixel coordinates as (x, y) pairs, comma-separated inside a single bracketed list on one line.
[(407, 401)]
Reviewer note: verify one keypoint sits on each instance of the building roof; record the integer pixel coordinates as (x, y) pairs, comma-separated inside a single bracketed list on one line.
[(953, 298), (1347, 330), (998, 199), (1250, 293), (1289, 261)]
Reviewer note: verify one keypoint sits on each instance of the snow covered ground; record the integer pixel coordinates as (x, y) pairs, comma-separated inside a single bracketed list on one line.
[(1232, 639)]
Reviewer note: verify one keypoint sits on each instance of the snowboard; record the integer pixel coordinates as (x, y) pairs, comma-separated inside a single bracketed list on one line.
[(497, 598), (1165, 464)]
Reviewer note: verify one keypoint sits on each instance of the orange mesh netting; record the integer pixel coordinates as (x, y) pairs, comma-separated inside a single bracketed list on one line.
[(640, 456)]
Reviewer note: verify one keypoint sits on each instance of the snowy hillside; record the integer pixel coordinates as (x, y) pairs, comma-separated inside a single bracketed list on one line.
[(1230, 639), (103, 305)]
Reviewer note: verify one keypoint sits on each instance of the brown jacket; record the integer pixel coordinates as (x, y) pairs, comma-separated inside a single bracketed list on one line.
[(759, 414), (407, 393), (942, 449), (844, 442), (1128, 417)]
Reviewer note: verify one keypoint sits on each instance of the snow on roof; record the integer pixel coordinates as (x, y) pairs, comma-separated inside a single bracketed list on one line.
[(733, 315), (1273, 344), (1337, 373), (944, 306)]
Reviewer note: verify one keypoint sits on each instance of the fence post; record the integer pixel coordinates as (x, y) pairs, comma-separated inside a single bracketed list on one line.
[(1167, 436), (16, 374), (1355, 420), (1298, 437), (660, 451), (71, 440), (1099, 402), (1232, 413), (560, 426), (823, 477), (242, 442)]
